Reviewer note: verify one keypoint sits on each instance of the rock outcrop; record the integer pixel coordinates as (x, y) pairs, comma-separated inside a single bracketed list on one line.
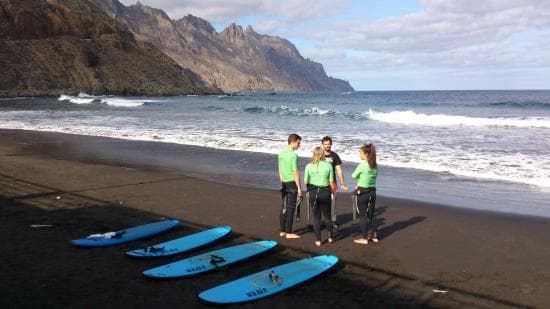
[(233, 60), (65, 46)]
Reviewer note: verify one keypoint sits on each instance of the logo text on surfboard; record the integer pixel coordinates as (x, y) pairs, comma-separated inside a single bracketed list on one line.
[(257, 292)]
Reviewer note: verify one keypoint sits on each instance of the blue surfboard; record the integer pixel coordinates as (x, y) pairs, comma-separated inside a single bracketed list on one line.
[(181, 244), (124, 236), (269, 281), (209, 261)]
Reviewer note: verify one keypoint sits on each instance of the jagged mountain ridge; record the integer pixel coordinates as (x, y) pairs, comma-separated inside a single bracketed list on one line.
[(66, 46), (233, 60)]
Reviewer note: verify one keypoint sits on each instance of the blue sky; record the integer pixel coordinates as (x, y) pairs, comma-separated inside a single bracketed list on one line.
[(401, 45)]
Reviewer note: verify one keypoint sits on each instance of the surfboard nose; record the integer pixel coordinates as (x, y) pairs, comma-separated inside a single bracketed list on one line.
[(269, 243), (327, 258)]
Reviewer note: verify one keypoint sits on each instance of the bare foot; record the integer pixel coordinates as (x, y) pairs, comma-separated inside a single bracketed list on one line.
[(292, 236), (318, 243), (282, 234), (361, 241)]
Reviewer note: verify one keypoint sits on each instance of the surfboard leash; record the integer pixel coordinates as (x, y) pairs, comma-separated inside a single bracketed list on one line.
[(273, 278)]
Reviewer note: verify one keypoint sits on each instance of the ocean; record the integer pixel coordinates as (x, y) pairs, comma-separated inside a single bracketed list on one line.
[(476, 149)]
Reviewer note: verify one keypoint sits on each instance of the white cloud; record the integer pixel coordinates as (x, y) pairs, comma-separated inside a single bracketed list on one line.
[(303, 10), (292, 11), (323, 53), (442, 26), (476, 6), (267, 26)]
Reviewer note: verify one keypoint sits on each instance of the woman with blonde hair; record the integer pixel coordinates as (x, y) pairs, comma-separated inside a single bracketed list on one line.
[(319, 180), (366, 173)]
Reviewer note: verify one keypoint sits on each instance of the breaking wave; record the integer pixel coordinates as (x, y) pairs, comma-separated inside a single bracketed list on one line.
[(410, 117), (84, 98)]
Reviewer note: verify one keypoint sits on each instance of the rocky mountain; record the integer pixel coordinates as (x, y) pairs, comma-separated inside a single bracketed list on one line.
[(48, 47), (233, 60)]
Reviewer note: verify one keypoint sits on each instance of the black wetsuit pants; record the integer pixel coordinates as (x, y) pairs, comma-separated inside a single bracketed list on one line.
[(289, 194), (366, 202), (319, 202)]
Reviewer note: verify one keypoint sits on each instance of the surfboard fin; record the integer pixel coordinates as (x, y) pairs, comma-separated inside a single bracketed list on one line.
[(154, 249), (215, 259)]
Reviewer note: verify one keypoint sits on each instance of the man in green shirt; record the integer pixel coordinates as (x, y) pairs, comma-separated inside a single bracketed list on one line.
[(290, 185)]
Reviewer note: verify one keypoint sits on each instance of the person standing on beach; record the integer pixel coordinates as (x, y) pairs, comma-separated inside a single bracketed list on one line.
[(319, 180), (290, 185), (334, 159), (366, 173)]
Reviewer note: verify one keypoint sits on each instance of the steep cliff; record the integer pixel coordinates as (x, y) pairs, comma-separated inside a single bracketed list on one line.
[(60, 46), (233, 60)]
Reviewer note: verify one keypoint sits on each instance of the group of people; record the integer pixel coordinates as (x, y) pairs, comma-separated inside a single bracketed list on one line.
[(320, 182)]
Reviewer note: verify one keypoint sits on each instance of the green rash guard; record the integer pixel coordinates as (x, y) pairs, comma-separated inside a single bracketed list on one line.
[(366, 175), (288, 163), (319, 174)]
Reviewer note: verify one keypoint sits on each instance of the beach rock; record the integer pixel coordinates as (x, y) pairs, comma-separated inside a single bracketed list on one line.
[(233, 59), (67, 46)]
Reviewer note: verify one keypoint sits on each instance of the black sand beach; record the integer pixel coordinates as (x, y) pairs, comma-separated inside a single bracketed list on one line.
[(479, 259)]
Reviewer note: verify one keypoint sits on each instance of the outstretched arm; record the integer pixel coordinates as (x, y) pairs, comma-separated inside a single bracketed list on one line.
[(340, 174)]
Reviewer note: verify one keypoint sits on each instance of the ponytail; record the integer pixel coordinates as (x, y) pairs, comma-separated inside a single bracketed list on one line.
[(370, 152)]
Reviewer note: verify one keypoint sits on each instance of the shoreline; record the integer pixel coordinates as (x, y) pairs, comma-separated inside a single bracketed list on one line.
[(481, 258), (248, 169)]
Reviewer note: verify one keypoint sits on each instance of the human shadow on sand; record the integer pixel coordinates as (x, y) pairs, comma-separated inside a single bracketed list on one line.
[(384, 231)]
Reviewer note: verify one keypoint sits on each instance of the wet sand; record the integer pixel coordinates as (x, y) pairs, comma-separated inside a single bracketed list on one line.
[(481, 259)]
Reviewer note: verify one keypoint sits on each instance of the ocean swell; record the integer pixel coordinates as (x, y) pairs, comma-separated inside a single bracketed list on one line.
[(285, 110), (524, 104)]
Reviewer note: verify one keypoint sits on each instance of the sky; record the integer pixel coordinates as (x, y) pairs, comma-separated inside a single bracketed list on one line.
[(400, 44)]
